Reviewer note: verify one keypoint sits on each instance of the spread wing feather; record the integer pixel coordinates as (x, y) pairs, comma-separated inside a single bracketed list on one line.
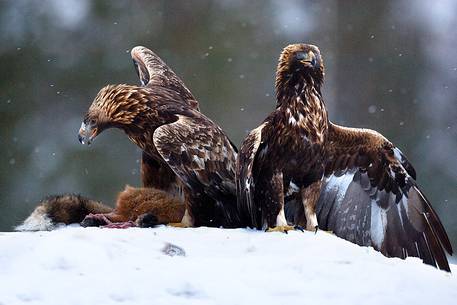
[(153, 71), (370, 197), (245, 176), (201, 155)]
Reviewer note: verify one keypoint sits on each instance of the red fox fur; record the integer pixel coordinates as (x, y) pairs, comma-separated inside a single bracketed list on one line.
[(144, 206)]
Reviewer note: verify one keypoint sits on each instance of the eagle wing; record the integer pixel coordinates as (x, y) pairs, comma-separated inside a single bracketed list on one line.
[(245, 180), (201, 155), (370, 197), (153, 71)]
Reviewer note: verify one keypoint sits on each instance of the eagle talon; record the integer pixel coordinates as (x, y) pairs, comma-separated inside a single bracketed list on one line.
[(316, 228), (283, 229), (299, 228)]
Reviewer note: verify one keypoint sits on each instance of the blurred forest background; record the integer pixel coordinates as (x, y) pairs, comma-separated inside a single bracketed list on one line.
[(390, 66)]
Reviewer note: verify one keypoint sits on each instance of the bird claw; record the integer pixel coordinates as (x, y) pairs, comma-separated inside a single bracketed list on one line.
[(316, 228), (299, 228), (284, 229)]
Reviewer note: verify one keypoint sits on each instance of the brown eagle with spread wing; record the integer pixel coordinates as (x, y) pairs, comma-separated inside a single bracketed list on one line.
[(298, 167), (184, 152), (154, 72)]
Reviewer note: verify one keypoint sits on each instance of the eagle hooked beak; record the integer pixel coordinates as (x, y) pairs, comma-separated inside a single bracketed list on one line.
[(307, 59), (87, 133)]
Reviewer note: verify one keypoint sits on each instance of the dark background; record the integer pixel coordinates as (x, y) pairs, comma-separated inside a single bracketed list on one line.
[(390, 66)]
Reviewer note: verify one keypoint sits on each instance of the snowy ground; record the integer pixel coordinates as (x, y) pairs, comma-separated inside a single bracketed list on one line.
[(108, 266)]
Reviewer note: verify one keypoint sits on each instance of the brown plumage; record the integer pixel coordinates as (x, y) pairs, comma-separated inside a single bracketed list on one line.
[(178, 138), (288, 148), (358, 183), (153, 71)]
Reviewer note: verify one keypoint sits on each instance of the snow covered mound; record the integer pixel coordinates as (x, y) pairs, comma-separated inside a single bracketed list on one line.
[(168, 266)]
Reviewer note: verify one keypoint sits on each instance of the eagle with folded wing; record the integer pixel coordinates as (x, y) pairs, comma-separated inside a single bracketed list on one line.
[(298, 167)]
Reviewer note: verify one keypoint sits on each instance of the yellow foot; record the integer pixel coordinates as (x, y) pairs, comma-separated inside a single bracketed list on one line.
[(178, 225), (284, 229)]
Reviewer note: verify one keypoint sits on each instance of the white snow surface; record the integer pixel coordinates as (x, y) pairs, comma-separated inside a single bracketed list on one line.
[(75, 265)]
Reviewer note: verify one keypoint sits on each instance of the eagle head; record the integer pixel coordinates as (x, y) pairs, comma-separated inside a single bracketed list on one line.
[(114, 106), (300, 63)]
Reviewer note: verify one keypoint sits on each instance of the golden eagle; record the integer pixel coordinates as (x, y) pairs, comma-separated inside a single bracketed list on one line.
[(354, 182), (155, 175), (177, 137), (153, 72)]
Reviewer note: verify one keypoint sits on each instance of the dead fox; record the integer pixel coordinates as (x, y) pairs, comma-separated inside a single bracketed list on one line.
[(143, 207)]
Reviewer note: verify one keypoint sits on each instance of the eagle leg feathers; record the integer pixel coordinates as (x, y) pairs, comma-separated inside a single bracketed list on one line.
[(310, 196), (270, 192)]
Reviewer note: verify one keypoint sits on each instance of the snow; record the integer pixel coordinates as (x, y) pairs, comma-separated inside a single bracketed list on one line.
[(77, 266)]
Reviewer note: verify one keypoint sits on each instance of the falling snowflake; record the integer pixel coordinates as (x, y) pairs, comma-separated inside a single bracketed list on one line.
[(372, 109)]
